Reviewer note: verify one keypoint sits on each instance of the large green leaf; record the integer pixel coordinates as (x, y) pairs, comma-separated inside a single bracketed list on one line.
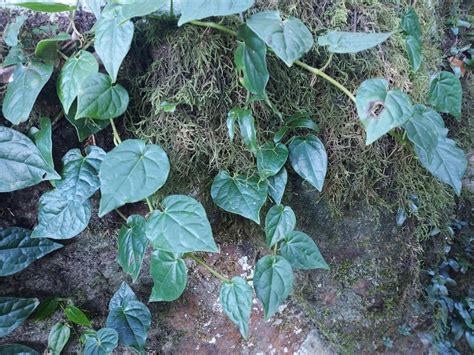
[(169, 275), (45, 6), (18, 250), (246, 124), (85, 127), (271, 158), (100, 99), (309, 159), (181, 227), (16, 55), (352, 42), (46, 308), (95, 6), (138, 8), (77, 316), (22, 91), (290, 39), (301, 252), (236, 301), (132, 244), (130, 318), (21, 162), (273, 282), (250, 59), (280, 220), (43, 140), (17, 349), (102, 342), (198, 9), (277, 185), (58, 338), (381, 109), (74, 74), (411, 24), (14, 311), (113, 37), (12, 31), (239, 194), (131, 172), (47, 49), (446, 94), (414, 52)]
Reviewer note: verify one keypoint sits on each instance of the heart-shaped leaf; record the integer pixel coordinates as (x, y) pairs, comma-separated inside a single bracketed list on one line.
[(45, 6), (280, 220), (446, 94), (414, 52), (43, 140), (13, 30), (242, 195), (277, 185), (301, 252), (14, 311), (352, 42), (198, 9), (271, 158), (17, 349), (47, 49), (85, 127), (290, 39), (131, 172), (411, 24), (169, 275), (102, 342), (58, 338)]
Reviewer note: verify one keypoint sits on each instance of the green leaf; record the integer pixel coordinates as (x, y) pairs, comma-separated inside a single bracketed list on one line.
[(102, 342), (411, 24), (95, 6), (14, 311), (198, 9), (113, 37), (246, 125), (299, 120), (309, 159), (18, 250), (139, 8), (250, 59), (77, 69), (47, 49), (132, 244), (290, 39), (181, 227), (301, 252), (401, 216), (241, 195), (280, 220), (43, 140), (46, 308), (414, 52), (277, 185), (21, 162), (352, 42), (129, 317), (13, 30), (236, 301), (85, 127), (168, 106), (45, 6), (446, 94), (58, 338), (17, 349), (15, 56), (169, 275), (131, 172), (273, 282), (22, 91), (380, 109), (100, 99), (77, 316), (271, 158)]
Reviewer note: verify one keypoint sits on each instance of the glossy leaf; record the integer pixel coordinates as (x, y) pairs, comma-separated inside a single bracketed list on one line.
[(43, 140), (46, 308), (352, 42), (102, 342), (100, 99), (273, 282), (277, 185), (290, 39), (131, 172), (16, 55), (181, 227), (47, 49), (246, 126), (198, 9), (309, 159), (414, 52), (401, 216), (236, 301), (12, 31), (18, 250), (77, 69), (381, 109), (301, 252), (17, 349), (14, 311), (58, 338), (45, 6), (169, 275), (77, 316), (85, 127), (21, 163), (23, 89), (241, 195), (129, 317), (95, 6), (446, 94), (271, 158), (280, 220), (140, 8), (411, 24)]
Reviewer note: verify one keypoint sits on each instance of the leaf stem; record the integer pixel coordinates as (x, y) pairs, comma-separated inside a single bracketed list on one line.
[(121, 214), (214, 25), (117, 139), (150, 205), (208, 268)]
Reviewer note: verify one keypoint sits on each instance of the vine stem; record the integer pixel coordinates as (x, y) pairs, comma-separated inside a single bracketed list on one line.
[(208, 268), (150, 205), (121, 214), (117, 139)]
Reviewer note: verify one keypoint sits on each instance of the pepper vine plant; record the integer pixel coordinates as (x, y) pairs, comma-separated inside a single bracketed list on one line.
[(134, 170)]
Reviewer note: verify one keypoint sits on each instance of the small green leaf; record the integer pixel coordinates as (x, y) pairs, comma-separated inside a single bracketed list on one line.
[(15, 56), (132, 244), (22, 91), (301, 252), (198, 9), (277, 185), (181, 227), (401, 216), (85, 127), (17, 349), (13, 30), (271, 158), (280, 220), (352, 42), (290, 39), (168, 106), (246, 126), (43, 140), (381, 109), (236, 301), (102, 342), (411, 24), (47, 49), (14, 311), (446, 94), (46, 308), (58, 338), (45, 6), (131, 172), (77, 316), (309, 159), (169, 275), (242, 195), (414, 52), (273, 282), (18, 250)]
